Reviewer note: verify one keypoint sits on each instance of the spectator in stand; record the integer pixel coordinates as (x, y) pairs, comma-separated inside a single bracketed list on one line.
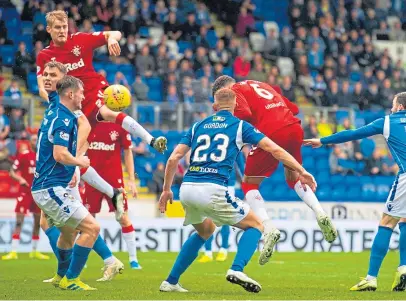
[(328, 75), (190, 30), (17, 126), (332, 95), (87, 26), (88, 11), (314, 37), (144, 62), (161, 12), (367, 78), (258, 73), (337, 156), (103, 12), (301, 35), (234, 48), (172, 28), (343, 69), (208, 72), (374, 163), (161, 61), (23, 61), (185, 70), (315, 57), (245, 23), (219, 54), (140, 88), (397, 33), (173, 100), (245, 50), (120, 79), (72, 27), (131, 21), (75, 15), (367, 57), (40, 34), (310, 130), (286, 41), (383, 33), (354, 21), (397, 83), (242, 67), (373, 96), (29, 9), (345, 125), (201, 58), (288, 90), (389, 166), (313, 16), (344, 96), (129, 50), (357, 43), (318, 87), (14, 92), (257, 59), (218, 70), (272, 46), (39, 16), (156, 184), (332, 45), (202, 90), (173, 6), (169, 80), (387, 94), (385, 66), (117, 22), (4, 126), (201, 39), (203, 16), (147, 16), (272, 81), (298, 51), (228, 35), (358, 97), (371, 22)]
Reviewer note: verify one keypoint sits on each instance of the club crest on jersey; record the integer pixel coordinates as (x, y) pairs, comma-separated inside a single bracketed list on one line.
[(76, 50), (113, 135), (218, 118)]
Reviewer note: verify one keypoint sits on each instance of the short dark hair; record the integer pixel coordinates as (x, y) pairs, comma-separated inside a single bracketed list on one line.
[(401, 99), (68, 82), (221, 82)]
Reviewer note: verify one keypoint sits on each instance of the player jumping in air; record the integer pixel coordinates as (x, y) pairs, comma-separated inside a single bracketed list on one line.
[(53, 72), (215, 143), (392, 127), (273, 115), (25, 165), (76, 53), (106, 141)]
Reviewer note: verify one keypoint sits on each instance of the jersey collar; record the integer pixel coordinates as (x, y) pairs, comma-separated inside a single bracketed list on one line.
[(224, 113)]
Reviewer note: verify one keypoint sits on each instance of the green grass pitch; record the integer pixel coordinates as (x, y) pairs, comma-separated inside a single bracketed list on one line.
[(298, 275)]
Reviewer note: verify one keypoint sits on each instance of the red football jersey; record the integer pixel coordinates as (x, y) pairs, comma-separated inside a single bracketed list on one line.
[(259, 104), (77, 56), (106, 141), (25, 164)]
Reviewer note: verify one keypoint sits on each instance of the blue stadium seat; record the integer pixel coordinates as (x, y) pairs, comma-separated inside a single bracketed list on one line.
[(98, 66), (341, 115), (321, 152), (367, 147), (337, 180), (259, 26), (383, 180), (307, 151), (26, 27), (323, 193), (323, 178), (322, 164), (365, 180), (338, 193), (369, 193), (7, 53), (154, 83), (212, 38), (32, 82), (10, 14), (354, 193), (111, 68), (155, 95), (278, 178), (308, 162), (382, 192), (144, 32), (352, 180), (355, 76), (98, 27), (183, 45), (228, 71), (145, 114)]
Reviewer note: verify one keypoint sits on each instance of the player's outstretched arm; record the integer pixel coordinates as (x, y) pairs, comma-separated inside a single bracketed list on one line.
[(17, 177), (62, 155), (283, 156), (170, 170)]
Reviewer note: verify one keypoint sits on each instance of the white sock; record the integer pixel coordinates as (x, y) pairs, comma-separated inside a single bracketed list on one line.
[(369, 277), (14, 244), (129, 239), (257, 204), (135, 129), (109, 260), (92, 178), (309, 198), (208, 253), (222, 250), (34, 244)]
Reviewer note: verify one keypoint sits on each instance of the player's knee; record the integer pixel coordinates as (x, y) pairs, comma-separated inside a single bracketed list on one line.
[(95, 230)]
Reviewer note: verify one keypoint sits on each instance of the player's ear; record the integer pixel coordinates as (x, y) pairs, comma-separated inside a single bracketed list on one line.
[(215, 107), (48, 28)]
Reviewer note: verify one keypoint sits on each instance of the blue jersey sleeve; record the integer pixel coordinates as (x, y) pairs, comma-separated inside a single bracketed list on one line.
[(251, 135), (61, 132), (187, 138), (374, 128)]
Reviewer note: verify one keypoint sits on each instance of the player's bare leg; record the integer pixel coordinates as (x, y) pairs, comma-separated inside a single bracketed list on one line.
[(308, 196), (15, 238), (128, 232), (254, 198), (35, 238), (133, 127)]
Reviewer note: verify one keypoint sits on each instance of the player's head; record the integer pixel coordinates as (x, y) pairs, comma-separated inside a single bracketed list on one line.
[(53, 72), (57, 26), (224, 100), (399, 102), (33, 141), (70, 90), (221, 82)]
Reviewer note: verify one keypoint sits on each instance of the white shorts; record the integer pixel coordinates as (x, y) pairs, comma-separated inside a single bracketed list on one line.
[(60, 206), (396, 203), (208, 200)]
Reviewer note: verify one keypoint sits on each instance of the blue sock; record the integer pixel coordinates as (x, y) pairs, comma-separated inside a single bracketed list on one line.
[(225, 234), (79, 258), (186, 256), (64, 259), (53, 235), (246, 247), (101, 248), (379, 249), (402, 243), (208, 243)]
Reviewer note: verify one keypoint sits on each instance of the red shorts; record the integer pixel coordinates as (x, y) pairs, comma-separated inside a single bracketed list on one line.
[(94, 100), (25, 202), (262, 164), (93, 198)]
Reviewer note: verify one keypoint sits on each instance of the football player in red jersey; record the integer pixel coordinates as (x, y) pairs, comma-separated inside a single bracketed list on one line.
[(23, 171), (106, 141), (75, 51), (274, 115)]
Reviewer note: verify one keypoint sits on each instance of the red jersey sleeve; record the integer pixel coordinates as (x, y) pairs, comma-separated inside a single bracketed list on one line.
[(40, 61), (292, 107), (126, 141), (93, 40), (242, 109)]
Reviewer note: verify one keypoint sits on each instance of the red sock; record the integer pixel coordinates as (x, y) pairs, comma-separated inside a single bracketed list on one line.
[(16, 236), (247, 187), (83, 171), (292, 184), (35, 237), (120, 117), (127, 229)]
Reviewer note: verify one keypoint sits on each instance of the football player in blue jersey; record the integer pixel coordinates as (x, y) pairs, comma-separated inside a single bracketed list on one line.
[(53, 72), (392, 127), (215, 143)]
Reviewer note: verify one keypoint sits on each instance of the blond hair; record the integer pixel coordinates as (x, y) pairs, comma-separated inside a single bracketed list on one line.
[(224, 96), (54, 64), (54, 15)]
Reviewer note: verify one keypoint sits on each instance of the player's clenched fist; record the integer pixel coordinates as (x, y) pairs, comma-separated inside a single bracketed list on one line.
[(83, 162), (159, 144), (114, 47)]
